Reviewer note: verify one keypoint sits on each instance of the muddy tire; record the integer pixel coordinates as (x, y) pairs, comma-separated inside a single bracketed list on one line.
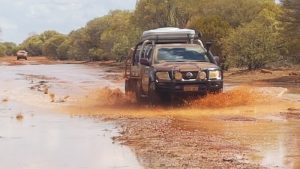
[(153, 95), (217, 91), (138, 92), (128, 88)]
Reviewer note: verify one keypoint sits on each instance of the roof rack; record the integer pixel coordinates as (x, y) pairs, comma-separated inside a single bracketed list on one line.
[(169, 34)]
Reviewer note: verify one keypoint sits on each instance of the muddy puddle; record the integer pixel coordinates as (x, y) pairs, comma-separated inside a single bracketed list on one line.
[(35, 134), (68, 116), (244, 127), (266, 122)]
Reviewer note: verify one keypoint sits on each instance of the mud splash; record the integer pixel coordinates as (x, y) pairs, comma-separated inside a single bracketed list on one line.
[(108, 97), (240, 96), (215, 129), (112, 104)]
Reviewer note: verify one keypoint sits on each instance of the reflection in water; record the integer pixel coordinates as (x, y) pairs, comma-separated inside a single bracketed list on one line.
[(57, 141), (277, 143), (42, 138), (275, 140)]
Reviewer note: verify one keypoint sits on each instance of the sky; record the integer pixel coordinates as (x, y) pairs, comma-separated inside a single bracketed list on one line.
[(22, 18)]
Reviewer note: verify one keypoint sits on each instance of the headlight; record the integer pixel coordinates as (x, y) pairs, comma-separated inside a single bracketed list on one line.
[(178, 76), (215, 74), (163, 76), (202, 75)]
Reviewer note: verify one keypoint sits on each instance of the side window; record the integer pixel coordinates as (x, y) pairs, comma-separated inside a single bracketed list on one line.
[(148, 52)]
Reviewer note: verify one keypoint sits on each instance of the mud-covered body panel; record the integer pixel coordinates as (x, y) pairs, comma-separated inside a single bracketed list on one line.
[(173, 68), (184, 66)]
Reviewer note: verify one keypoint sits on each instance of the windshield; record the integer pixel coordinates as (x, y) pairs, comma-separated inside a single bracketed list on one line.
[(177, 54)]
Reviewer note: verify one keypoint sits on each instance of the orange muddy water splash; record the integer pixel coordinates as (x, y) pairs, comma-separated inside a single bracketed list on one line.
[(115, 98), (237, 97), (240, 96), (114, 103)]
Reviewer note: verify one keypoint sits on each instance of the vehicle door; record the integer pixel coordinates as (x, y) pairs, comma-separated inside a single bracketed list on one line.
[(135, 68), (145, 70)]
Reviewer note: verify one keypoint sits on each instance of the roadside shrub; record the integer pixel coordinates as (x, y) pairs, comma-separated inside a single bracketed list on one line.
[(2, 50), (255, 44)]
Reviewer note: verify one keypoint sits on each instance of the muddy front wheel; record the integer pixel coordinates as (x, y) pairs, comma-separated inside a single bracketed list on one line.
[(217, 91), (138, 92), (128, 87), (153, 96)]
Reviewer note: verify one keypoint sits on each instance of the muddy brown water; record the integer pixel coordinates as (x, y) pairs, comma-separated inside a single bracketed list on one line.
[(46, 138), (43, 137), (275, 143)]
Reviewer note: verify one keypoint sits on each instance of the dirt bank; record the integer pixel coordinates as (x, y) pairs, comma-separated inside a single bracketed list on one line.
[(277, 77), (34, 60)]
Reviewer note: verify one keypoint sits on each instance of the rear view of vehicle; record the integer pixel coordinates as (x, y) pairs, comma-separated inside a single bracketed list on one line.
[(22, 54), (171, 62)]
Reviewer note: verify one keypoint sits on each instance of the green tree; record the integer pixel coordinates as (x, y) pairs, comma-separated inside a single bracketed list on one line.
[(291, 19), (213, 28), (234, 12), (45, 36), (33, 45), (79, 45), (10, 48), (255, 44), (103, 38), (52, 44), (120, 36), (151, 14), (63, 49), (96, 54), (2, 50)]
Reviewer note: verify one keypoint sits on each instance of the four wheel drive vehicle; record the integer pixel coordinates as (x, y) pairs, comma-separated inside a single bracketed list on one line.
[(22, 54), (171, 61)]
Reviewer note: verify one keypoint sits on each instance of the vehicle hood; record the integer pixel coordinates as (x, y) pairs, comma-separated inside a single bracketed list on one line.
[(184, 66)]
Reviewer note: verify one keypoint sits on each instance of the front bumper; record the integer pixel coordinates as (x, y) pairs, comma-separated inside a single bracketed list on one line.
[(181, 86)]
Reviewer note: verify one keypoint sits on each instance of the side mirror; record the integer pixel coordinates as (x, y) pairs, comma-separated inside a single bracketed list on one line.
[(144, 62), (208, 45), (217, 60)]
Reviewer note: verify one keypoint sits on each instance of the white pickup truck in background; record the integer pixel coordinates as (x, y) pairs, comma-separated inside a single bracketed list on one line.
[(22, 54)]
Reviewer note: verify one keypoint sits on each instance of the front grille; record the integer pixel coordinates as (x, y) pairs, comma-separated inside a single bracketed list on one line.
[(189, 75)]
